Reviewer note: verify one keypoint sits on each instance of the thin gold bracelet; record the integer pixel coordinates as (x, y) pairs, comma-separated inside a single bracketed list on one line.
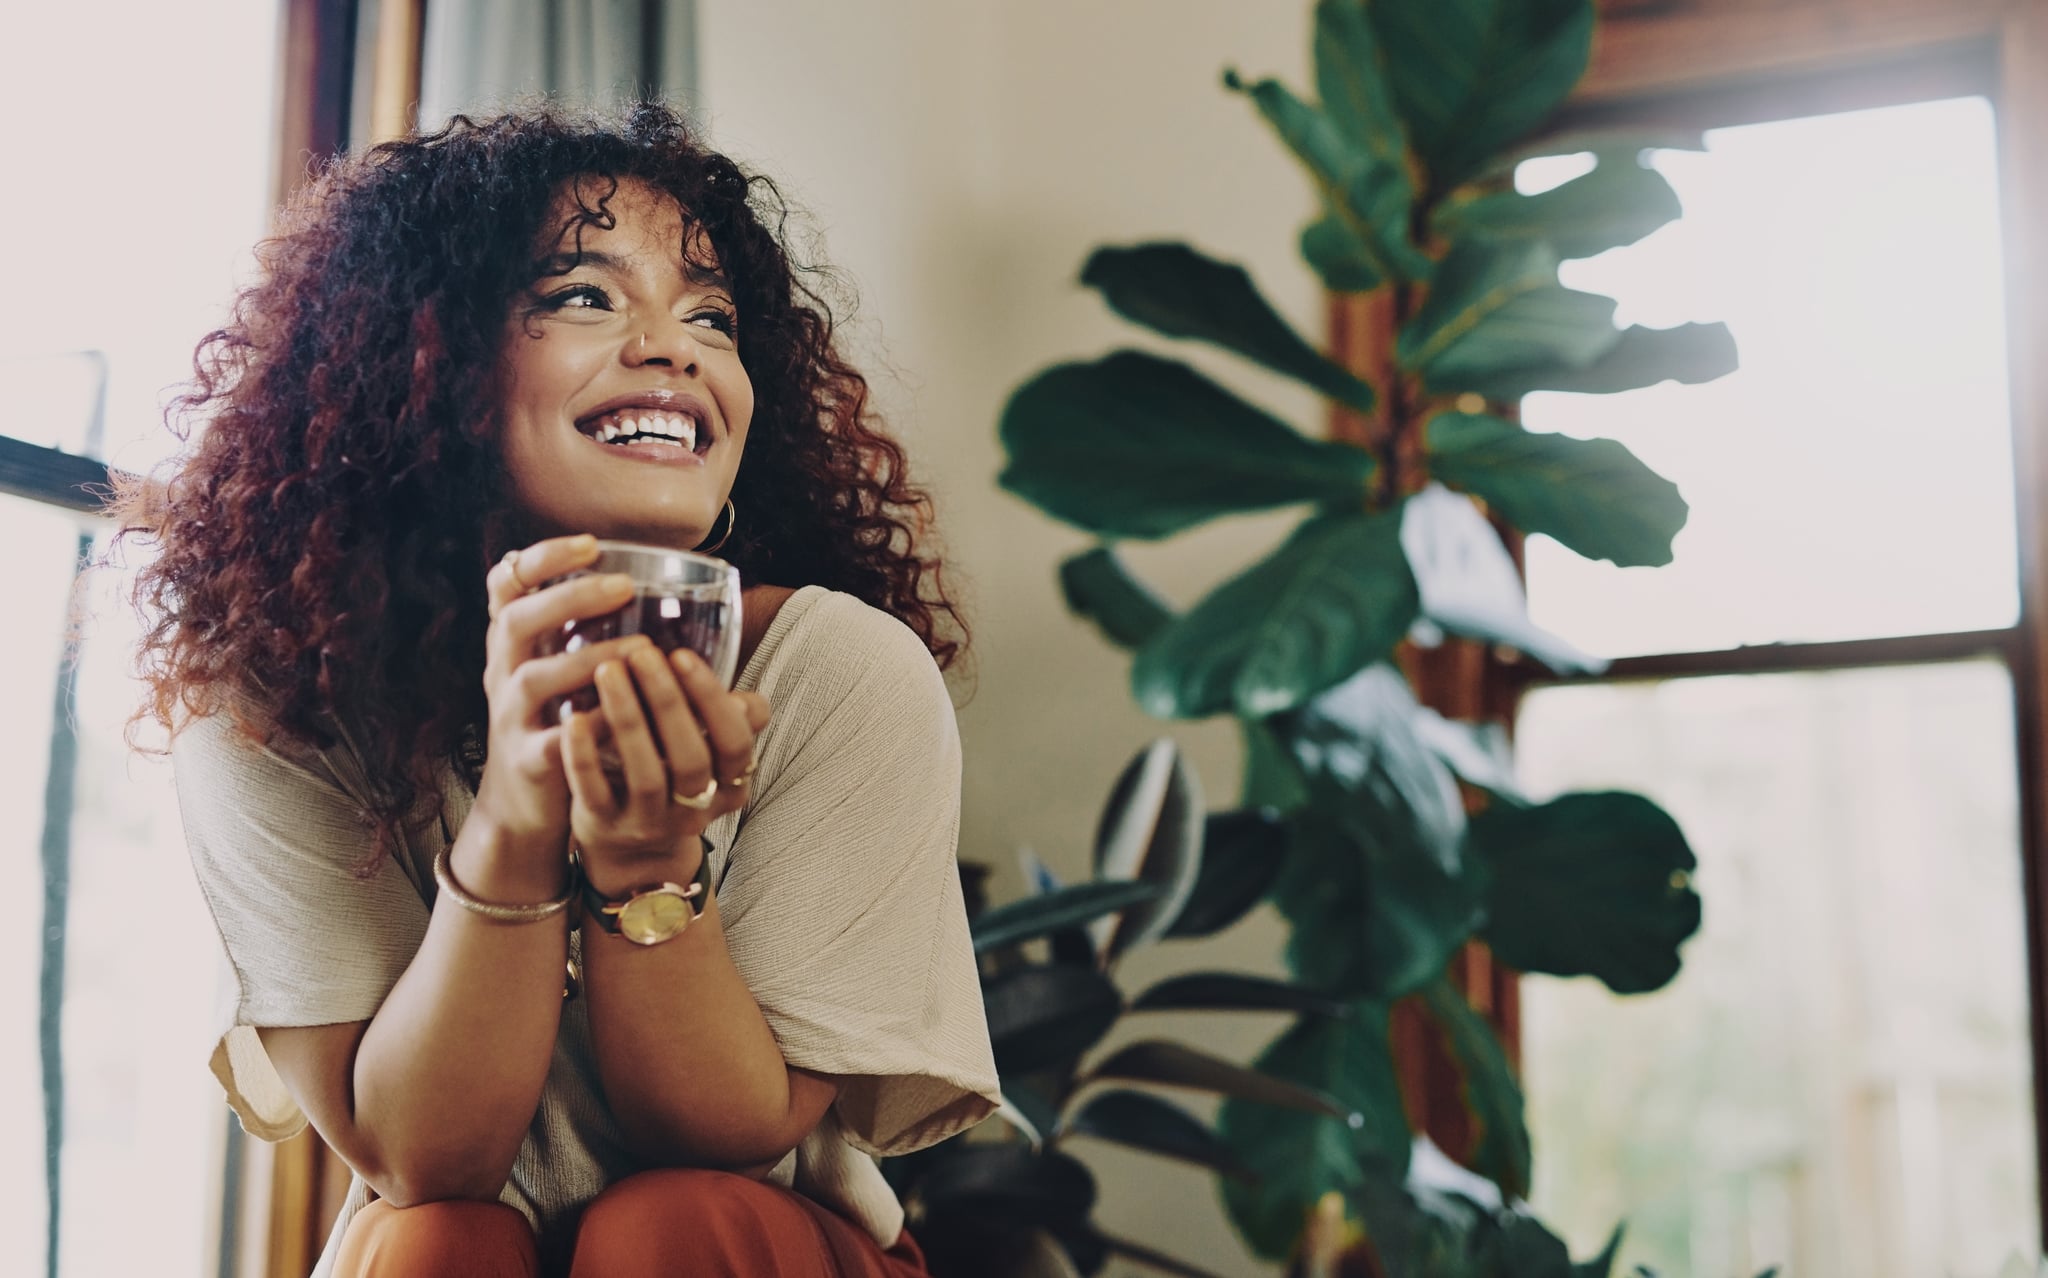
[(496, 913)]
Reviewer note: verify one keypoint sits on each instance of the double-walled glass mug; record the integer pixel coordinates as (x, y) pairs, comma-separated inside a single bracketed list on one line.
[(681, 599)]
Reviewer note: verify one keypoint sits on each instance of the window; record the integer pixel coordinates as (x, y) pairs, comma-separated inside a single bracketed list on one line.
[(128, 225), (1840, 1079)]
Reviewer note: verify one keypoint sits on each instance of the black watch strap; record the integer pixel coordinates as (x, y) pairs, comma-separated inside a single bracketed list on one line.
[(604, 910)]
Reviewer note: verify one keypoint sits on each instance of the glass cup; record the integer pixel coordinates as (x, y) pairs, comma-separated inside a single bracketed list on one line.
[(681, 599)]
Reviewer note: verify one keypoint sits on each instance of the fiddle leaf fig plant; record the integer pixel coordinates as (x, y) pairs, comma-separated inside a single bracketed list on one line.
[(1396, 836)]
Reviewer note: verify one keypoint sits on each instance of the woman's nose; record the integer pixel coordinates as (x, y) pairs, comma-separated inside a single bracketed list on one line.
[(666, 341)]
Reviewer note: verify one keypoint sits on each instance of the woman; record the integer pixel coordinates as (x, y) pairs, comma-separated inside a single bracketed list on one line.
[(446, 384)]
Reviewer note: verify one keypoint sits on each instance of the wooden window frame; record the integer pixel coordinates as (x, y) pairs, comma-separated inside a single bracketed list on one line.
[(291, 1192), (1715, 63)]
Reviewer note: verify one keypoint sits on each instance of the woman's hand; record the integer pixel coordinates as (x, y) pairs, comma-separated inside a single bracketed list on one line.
[(523, 793), (699, 733)]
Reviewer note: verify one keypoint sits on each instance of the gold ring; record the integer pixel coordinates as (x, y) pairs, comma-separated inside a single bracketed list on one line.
[(511, 562), (700, 800), (739, 782)]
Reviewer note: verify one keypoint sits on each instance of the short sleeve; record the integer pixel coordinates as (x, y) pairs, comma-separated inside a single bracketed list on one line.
[(279, 847), (841, 894)]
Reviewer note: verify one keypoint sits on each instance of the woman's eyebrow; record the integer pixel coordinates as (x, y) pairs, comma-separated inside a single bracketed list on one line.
[(597, 259)]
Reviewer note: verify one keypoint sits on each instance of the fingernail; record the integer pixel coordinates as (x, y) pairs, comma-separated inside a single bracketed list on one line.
[(685, 659)]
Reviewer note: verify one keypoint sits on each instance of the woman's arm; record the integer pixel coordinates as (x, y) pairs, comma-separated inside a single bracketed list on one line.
[(690, 1068), (431, 1097)]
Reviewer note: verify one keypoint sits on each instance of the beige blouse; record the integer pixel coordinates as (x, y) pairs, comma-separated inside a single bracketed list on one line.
[(836, 884)]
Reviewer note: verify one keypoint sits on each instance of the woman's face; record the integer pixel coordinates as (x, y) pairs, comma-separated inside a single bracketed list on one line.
[(625, 406)]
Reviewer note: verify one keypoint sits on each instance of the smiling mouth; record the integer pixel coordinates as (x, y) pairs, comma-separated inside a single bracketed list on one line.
[(661, 428)]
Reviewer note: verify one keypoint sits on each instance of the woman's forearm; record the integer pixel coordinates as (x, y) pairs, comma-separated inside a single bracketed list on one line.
[(692, 1071), (449, 1073)]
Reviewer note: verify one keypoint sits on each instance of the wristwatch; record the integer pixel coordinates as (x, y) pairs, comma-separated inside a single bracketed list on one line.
[(652, 913)]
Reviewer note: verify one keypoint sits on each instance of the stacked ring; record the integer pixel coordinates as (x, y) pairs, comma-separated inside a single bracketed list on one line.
[(700, 800)]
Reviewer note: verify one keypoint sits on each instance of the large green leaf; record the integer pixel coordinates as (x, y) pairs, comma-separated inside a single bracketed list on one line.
[(1150, 830), (1336, 254), (1375, 888), (1271, 778), (1353, 84), (1156, 1126), (1335, 597), (1416, 1230), (1167, 1064), (1366, 924), (1175, 290), (1487, 1084), (1096, 586), (1235, 992), (1618, 202), (1591, 494), (1040, 1017), (1499, 305), (1242, 853), (1470, 585), (1370, 197), (1688, 353), (1133, 445), (1296, 1157), (1593, 884), (1367, 766), (1472, 76), (1510, 1243), (1355, 98), (1049, 912)]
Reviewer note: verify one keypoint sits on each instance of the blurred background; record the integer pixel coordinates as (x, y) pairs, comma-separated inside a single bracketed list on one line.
[(1837, 687)]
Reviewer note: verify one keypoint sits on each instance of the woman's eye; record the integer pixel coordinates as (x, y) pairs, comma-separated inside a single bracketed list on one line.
[(580, 297), (721, 321)]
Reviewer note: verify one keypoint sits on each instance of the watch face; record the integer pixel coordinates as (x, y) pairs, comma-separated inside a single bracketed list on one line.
[(654, 916)]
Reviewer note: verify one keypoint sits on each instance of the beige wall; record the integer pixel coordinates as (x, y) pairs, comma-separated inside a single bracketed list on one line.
[(959, 158)]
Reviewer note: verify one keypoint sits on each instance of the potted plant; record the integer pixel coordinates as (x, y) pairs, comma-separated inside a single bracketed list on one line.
[(1401, 835), (1009, 1201)]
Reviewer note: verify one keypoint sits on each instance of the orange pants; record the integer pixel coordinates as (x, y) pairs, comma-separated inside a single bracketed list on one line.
[(658, 1224)]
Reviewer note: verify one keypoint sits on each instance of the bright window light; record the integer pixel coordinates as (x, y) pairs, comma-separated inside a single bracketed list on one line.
[(1854, 479), (138, 152)]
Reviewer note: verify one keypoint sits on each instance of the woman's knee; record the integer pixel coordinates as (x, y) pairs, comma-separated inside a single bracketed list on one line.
[(721, 1222), (447, 1240)]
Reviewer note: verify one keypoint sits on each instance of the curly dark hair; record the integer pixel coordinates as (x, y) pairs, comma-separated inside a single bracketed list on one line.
[(322, 544)]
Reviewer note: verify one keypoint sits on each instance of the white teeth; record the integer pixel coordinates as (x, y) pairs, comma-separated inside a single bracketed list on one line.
[(666, 427)]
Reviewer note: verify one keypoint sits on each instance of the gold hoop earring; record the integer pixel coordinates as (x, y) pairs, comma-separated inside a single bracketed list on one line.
[(732, 519)]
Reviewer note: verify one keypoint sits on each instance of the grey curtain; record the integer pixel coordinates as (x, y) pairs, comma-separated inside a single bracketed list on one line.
[(480, 55)]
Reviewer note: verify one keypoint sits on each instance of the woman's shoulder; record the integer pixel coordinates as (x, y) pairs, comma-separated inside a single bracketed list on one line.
[(826, 644), (236, 749)]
